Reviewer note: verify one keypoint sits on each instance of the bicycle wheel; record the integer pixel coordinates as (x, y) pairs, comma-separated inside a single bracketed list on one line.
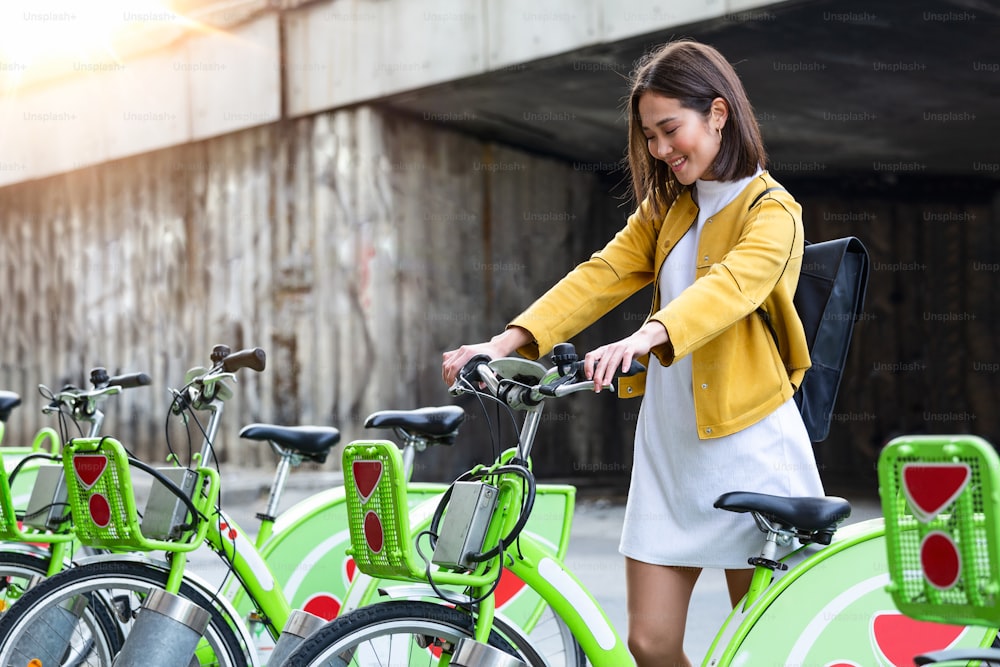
[(99, 638), (398, 632), (113, 588)]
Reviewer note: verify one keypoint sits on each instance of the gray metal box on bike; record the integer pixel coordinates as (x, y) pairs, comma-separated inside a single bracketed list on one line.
[(465, 523), (165, 513), (47, 505)]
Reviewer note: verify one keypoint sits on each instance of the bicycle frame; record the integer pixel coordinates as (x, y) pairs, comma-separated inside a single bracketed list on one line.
[(542, 572), (251, 563), (316, 575)]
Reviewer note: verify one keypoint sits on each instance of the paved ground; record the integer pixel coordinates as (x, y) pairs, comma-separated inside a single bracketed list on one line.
[(593, 554)]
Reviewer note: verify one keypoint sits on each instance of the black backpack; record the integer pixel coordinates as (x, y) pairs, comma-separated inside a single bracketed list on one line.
[(829, 299)]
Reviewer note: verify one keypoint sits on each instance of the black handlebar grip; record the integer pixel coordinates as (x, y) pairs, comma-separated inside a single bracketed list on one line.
[(8, 401), (129, 380), (634, 369), (254, 359), (472, 364)]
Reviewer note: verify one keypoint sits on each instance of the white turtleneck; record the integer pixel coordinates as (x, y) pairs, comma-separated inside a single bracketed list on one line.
[(678, 271)]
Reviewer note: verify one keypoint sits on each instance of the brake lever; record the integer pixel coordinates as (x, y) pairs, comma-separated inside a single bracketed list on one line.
[(567, 381), (572, 388), (550, 388)]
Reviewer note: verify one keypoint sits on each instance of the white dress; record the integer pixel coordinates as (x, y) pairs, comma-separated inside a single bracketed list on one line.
[(676, 477)]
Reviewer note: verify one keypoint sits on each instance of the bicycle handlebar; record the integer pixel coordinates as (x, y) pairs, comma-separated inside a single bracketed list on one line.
[(521, 385), (206, 389), (130, 380), (83, 402), (99, 378), (226, 363), (566, 377), (252, 358)]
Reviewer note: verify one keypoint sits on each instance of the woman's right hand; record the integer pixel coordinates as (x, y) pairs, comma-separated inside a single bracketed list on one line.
[(499, 346)]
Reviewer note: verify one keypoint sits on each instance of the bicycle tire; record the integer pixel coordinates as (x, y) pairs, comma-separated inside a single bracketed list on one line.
[(427, 623), (117, 587)]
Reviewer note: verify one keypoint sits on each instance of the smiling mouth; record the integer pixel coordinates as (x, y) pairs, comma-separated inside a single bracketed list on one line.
[(677, 163)]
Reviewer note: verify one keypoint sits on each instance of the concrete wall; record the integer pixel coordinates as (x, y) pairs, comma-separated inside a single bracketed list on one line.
[(353, 246)]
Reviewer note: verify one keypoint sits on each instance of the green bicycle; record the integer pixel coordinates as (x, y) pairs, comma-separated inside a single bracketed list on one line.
[(36, 538), (824, 603), (98, 479), (290, 556)]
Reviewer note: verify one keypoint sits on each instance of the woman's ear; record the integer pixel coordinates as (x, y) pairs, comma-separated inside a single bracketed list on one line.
[(719, 112)]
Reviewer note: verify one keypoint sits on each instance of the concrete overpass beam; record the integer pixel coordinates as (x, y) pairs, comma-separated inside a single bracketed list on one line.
[(342, 52)]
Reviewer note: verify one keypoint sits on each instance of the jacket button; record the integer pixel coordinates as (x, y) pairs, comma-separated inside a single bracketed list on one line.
[(628, 390), (708, 222), (706, 258), (708, 430), (704, 386)]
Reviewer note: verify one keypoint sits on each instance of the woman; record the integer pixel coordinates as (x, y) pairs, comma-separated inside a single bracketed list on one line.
[(718, 413)]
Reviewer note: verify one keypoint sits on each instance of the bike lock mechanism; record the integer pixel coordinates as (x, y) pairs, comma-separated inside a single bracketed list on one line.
[(166, 632)]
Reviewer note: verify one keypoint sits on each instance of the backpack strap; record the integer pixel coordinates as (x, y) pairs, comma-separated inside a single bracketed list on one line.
[(761, 196), (764, 315)]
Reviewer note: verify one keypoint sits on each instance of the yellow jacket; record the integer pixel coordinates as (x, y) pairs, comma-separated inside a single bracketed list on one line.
[(746, 259)]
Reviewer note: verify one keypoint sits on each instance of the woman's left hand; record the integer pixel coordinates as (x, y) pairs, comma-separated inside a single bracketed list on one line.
[(600, 365)]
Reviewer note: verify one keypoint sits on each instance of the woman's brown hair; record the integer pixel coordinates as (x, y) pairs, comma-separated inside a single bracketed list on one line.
[(694, 74)]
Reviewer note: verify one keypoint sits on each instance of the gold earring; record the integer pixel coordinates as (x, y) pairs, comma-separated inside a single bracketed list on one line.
[(720, 134)]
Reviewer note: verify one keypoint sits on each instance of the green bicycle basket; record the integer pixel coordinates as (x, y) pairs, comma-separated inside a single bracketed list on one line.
[(377, 511), (102, 500), (940, 502), (10, 528)]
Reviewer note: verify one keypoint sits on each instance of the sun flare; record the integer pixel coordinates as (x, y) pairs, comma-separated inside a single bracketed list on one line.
[(36, 35)]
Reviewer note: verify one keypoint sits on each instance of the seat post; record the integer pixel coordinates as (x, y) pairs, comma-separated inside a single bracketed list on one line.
[(775, 535), (411, 444), (765, 564), (267, 517), (408, 456)]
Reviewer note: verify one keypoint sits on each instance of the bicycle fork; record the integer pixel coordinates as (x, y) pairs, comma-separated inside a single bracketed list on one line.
[(477, 652)]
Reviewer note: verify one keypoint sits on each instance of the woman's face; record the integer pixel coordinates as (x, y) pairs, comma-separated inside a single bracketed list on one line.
[(682, 138)]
